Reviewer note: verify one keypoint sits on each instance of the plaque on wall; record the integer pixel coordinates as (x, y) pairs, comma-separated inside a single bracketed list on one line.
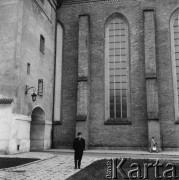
[(40, 87)]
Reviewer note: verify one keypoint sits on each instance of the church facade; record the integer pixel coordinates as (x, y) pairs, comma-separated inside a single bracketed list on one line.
[(120, 73), (107, 68)]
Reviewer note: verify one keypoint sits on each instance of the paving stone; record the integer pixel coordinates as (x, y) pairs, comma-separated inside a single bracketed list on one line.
[(60, 167)]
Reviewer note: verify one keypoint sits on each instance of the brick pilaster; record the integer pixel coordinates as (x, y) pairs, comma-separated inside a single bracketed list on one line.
[(83, 76), (151, 77)]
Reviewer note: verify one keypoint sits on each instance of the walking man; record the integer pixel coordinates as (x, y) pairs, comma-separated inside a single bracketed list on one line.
[(78, 146)]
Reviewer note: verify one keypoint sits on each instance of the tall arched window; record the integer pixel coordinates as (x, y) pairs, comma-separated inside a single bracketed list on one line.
[(58, 72), (174, 24), (117, 67)]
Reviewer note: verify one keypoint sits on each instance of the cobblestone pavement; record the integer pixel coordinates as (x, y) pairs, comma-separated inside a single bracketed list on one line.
[(59, 164), (59, 167)]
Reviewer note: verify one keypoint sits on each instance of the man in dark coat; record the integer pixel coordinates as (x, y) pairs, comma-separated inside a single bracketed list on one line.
[(78, 146)]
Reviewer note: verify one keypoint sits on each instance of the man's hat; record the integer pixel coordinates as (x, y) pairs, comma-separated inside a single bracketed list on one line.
[(79, 133)]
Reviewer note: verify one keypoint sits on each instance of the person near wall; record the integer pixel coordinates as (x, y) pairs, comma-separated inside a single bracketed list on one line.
[(153, 145), (78, 146)]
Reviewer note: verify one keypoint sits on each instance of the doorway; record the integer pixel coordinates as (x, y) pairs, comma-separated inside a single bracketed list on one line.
[(37, 129)]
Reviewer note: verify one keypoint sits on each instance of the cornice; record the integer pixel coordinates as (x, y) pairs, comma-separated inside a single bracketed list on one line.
[(68, 2)]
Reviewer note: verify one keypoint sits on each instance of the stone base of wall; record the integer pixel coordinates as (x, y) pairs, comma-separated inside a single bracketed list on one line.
[(48, 135), (119, 148), (63, 147), (107, 148), (15, 131), (170, 149), (4, 144)]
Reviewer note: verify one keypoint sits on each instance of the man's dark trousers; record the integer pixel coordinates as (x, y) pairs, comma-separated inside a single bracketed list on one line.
[(78, 157)]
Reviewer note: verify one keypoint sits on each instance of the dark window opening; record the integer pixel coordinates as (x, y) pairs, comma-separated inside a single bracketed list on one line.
[(28, 68), (42, 44)]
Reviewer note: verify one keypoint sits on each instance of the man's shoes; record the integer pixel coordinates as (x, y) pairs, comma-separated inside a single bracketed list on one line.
[(75, 167)]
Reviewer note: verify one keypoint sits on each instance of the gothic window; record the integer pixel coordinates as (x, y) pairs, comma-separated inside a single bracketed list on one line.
[(58, 73), (117, 67), (175, 57)]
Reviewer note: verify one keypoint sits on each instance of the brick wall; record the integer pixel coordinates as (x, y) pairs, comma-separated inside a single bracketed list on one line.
[(135, 135)]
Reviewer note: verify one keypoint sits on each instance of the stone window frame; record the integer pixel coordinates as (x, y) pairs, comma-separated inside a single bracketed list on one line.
[(176, 103), (108, 120)]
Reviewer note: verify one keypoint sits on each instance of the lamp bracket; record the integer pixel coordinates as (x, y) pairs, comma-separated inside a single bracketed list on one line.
[(27, 88)]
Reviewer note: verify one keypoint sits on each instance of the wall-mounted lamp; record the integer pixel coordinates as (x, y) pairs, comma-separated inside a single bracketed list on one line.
[(34, 95)]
